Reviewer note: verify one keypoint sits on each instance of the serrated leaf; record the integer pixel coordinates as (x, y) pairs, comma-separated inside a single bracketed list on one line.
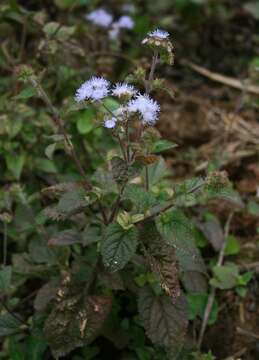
[(218, 186), (66, 237), (162, 260), (119, 246), (165, 322), (75, 322), (175, 227), (119, 169), (141, 200)]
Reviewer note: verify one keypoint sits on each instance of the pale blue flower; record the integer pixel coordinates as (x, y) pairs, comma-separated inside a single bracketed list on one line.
[(110, 123), (146, 107), (125, 22), (100, 17), (123, 89), (96, 88), (159, 34)]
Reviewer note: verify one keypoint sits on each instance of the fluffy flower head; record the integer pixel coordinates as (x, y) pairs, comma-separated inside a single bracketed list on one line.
[(125, 22), (95, 88), (123, 89), (147, 107), (159, 34), (110, 123), (100, 17)]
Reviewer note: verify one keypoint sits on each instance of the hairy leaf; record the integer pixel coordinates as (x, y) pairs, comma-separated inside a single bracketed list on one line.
[(119, 169), (165, 322), (176, 228), (74, 322), (119, 246), (162, 260), (142, 200)]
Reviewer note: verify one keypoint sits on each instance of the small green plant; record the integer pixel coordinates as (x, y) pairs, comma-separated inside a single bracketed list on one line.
[(113, 248)]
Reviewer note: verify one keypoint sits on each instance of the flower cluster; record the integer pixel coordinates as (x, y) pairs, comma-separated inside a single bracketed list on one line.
[(102, 18), (96, 88)]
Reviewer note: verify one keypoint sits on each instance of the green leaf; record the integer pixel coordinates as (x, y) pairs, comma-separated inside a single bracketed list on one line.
[(157, 171), (225, 277), (5, 278), (165, 322), (175, 227), (72, 201), (218, 186), (232, 246), (45, 165), (64, 4), (245, 278), (26, 94), (197, 304), (15, 164), (119, 246), (49, 151), (9, 325), (65, 237), (16, 350), (35, 348), (253, 208), (85, 122), (141, 200), (162, 145)]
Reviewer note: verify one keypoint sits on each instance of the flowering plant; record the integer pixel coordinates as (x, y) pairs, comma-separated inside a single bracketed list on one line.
[(128, 246)]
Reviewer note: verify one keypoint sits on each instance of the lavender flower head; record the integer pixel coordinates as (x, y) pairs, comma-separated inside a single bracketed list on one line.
[(160, 34), (125, 22), (156, 37), (123, 89), (96, 88), (147, 107), (110, 123), (100, 17)]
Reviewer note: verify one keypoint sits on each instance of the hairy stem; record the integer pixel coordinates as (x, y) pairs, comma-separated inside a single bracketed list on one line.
[(59, 123)]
